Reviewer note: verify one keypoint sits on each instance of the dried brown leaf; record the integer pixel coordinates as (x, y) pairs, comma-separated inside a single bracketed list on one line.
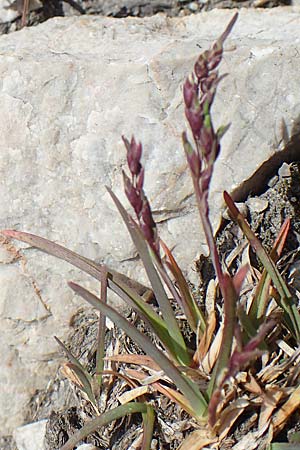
[(133, 394), (273, 396), (205, 339), (286, 411), (140, 360), (198, 440), (213, 352), (253, 386), (229, 416)]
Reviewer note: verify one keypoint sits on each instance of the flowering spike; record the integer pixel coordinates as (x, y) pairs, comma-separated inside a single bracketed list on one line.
[(193, 159), (136, 149), (195, 120), (136, 196), (148, 233), (228, 29), (199, 91), (147, 214), (126, 143), (222, 130), (206, 140), (200, 68), (209, 82), (140, 180), (189, 91), (134, 153), (216, 54), (133, 195), (205, 180)]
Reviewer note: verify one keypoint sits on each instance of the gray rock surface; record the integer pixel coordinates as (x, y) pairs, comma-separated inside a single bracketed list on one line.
[(68, 90), (31, 436)]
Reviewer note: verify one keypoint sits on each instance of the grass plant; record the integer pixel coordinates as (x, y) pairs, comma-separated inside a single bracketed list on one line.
[(233, 359)]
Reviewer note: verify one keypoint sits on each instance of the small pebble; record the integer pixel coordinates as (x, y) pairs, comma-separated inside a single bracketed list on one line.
[(184, 12), (259, 3), (284, 171), (273, 181), (193, 6), (30, 436), (257, 204)]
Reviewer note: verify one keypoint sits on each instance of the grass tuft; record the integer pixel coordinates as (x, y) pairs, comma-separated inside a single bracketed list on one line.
[(226, 367)]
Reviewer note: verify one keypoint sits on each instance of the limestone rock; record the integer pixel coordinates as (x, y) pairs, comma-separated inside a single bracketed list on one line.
[(69, 89), (31, 436)]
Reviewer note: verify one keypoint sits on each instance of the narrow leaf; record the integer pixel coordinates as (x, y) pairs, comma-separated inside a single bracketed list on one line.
[(148, 425), (101, 329), (292, 316), (180, 350), (130, 291), (146, 312), (85, 264), (169, 392), (104, 419), (82, 374), (72, 358), (189, 306), (139, 360), (82, 381), (230, 301), (187, 387), (249, 327), (262, 295), (239, 278)]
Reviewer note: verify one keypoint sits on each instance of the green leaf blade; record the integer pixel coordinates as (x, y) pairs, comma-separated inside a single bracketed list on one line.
[(186, 386), (180, 351), (104, 419)]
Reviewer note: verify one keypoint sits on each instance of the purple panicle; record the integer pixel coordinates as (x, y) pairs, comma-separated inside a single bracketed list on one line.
[(134, 190), (198, 92), (134, 153)]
